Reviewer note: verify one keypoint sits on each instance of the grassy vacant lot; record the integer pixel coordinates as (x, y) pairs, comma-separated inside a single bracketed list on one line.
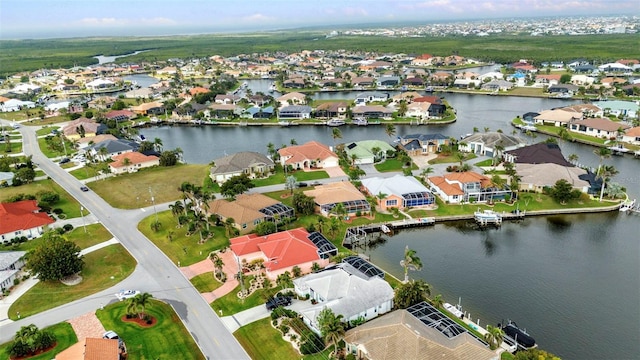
[(262, 341), (96, 233), (182, 248), (51, 153), (526, 91), (231, 304), (130, 191), (167, 339), (279, 178), (65, 337), (392, 165), (100, 266), (14, 146), (46, 121), (443, 159), (46, 130), (67, 203), (205, 282)]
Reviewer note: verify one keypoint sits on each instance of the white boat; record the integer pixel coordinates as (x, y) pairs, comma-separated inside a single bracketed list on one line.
[(273, 87), (284, 123), (627, 205), (335, 122), (618, 149), (385, 229), (360, 122), (529, 128), (487, 216)]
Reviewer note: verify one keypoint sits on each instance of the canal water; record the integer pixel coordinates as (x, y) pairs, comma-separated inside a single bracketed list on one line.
[(573, 281)]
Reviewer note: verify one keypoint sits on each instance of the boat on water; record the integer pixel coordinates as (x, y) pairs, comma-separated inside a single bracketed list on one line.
[(335, 122), (564, 95), (618, 149), (284, 123), (487, 217), (526, 128), (360, 122), (628, 205), (521, 337), (273, 87)]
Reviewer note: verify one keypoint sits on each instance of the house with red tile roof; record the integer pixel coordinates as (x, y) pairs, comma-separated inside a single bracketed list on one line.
[(308, 155), (92, 349), (22, 218), (465, 186), (280, 251), (132, 162)]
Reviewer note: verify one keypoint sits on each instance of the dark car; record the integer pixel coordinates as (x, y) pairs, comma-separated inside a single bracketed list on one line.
[(84, 188), (302, 184), (64, 160), (278, 301)]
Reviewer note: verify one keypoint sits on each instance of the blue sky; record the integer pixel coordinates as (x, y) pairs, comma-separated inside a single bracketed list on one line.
[(73, 18)]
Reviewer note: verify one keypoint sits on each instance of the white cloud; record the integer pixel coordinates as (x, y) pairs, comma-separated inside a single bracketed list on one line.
[(115, 22)]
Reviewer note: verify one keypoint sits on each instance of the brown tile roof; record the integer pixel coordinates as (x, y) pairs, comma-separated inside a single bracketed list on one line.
[(602, 124), (230, 209), (400, 335), (335, 193), (255, 201), (98, 138), (634, 131), (90, 126), (134, 158), (311, 150)]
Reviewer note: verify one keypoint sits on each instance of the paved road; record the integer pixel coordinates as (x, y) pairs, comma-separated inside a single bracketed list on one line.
[(155, 273)]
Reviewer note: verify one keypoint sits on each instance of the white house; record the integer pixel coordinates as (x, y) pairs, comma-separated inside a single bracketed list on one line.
[(10, 264), (347, 292), (16, 105)]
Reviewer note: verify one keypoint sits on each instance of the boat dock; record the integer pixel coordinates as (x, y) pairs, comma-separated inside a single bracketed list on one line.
[(630, 206), (360, 235)]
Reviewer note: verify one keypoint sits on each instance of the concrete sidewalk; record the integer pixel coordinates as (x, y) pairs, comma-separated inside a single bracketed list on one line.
[(24, 286), (236, 321)]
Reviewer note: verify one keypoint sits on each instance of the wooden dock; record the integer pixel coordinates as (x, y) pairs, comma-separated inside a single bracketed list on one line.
[(358, 235)]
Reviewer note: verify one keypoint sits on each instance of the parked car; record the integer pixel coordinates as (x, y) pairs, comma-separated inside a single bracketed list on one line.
[(302, 184), (315, 183), (64, 160), (126, 294), (278, 301), (112, 335), (84, 188)]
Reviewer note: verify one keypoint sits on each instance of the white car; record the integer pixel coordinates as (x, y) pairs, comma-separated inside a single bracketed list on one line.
[(127, 294)]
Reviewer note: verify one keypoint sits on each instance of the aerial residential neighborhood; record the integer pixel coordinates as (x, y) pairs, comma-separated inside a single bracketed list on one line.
[(346, 193)]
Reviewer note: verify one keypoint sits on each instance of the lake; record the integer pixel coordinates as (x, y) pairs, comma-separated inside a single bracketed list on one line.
[(572, 281)]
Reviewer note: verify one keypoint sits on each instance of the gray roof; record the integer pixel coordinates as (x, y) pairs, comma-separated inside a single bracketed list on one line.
[(8, 258), (296, 108), (397, 185), (346, 291), (426, 137), (491, 139), (114, 146), (239, 161)]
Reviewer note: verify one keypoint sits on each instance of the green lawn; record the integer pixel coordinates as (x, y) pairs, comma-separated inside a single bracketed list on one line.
[(279, 178), (15, 146), (67, 203), (443, 159), (65, 337), (205, 282), (262, 341), (231, 304), (46, 130), (130, 191), (51, 153), (96, 233), (484, 163), (392, 165), (182, 248), (167, 339), (47, 121), (103, 268)]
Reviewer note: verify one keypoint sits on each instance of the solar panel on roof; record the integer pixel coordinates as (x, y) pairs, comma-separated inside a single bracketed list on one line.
[(351, 146)]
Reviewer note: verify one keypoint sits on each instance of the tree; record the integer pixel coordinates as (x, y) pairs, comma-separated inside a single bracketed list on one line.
[(605, 173), (218, 265), (157, 144), (284, 280), (410, 261), (562, 191), (24, 175), (296, 271), (336, 134), (565, 78), (138, 304), (229, 226), (290, 183), (494, 336), (410, 293), (573, 158), (390, 130), (266, 228), (236, 186), (437, 301), (169, 158), (29, 339), (55, 258), (402, 108), (303, 204), (331, 327), (425, 173)]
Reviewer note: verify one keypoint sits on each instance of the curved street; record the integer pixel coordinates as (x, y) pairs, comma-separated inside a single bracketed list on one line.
[(155, 273)]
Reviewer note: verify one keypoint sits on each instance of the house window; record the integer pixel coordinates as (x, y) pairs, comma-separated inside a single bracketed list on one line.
[(392, 202), (256, 222)]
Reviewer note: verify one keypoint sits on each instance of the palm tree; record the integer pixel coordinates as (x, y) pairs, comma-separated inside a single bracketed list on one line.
[(573, 158), (229, 225), (410, 261), (437, 301), (132, 306), (170, 234), (411, 293), (336, 134), (390, 130), (376, 153), (333, 332), (218, 264), (460, 157), (284, 280), (142, 300), (605, 173), (425, 173), (602, 153), (494, 336)]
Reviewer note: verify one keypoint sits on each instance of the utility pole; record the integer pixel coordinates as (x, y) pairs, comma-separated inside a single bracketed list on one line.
[(84, 225), (153, 201)]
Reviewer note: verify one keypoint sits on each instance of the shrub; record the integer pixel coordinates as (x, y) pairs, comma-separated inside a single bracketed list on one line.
[(16, 281), (67, 227), (57, 211), (284, 329)]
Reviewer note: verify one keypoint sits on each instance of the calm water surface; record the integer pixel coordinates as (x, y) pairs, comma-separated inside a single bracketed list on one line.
[(572, 281)]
